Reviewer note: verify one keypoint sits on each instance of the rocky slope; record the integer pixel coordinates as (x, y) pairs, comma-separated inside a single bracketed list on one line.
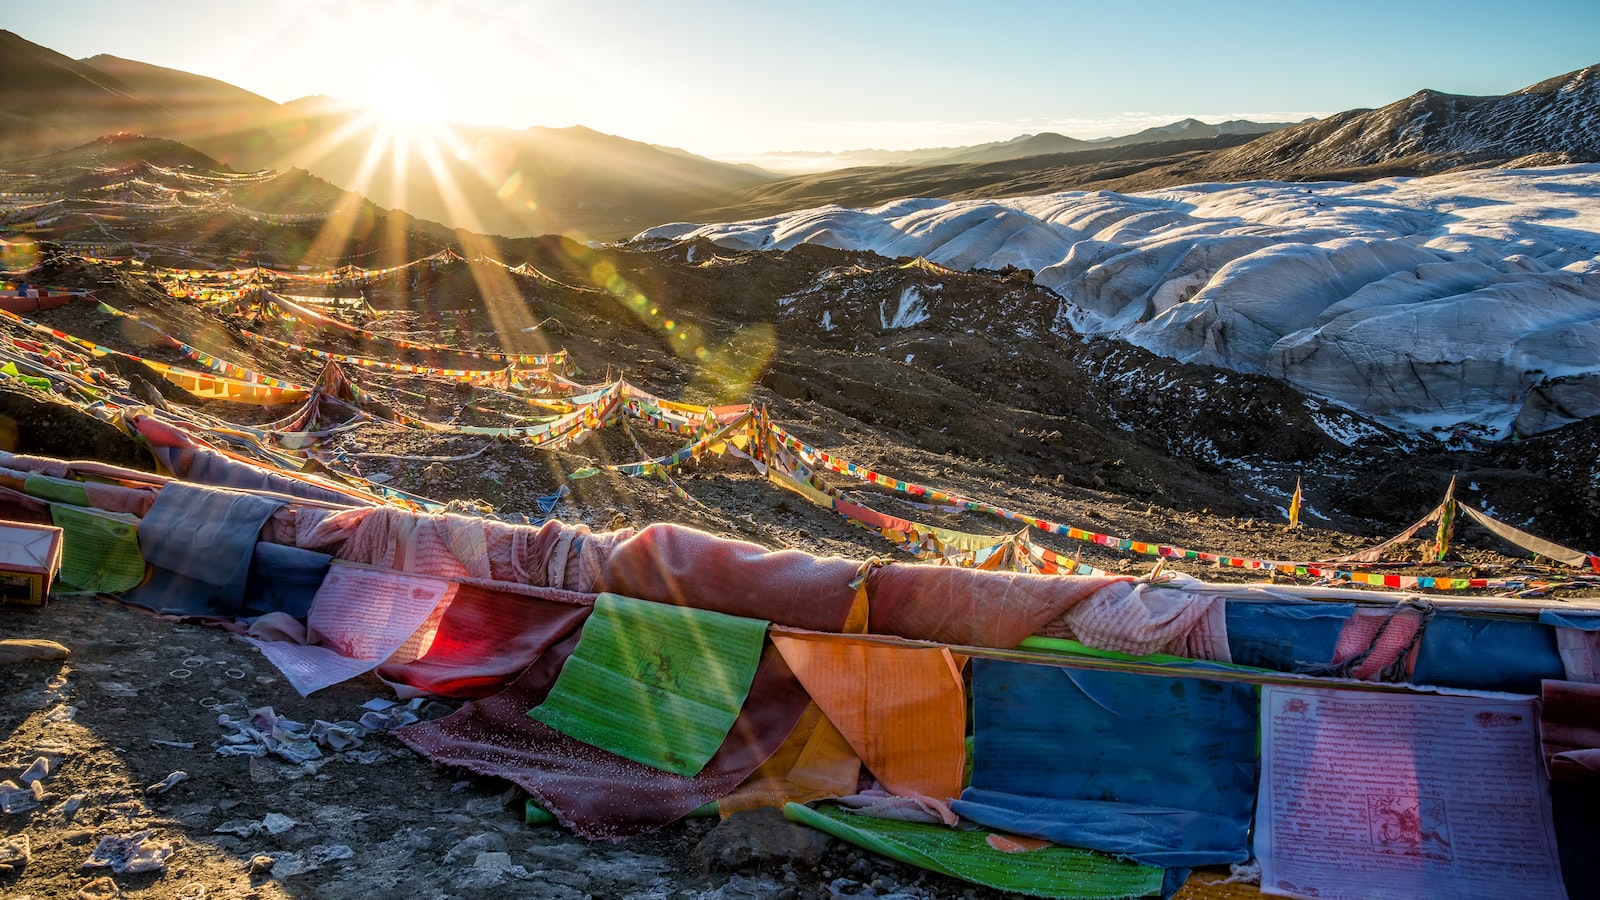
[(1468, 298)]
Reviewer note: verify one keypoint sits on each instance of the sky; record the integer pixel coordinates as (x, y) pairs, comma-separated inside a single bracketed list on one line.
[(734, 78)]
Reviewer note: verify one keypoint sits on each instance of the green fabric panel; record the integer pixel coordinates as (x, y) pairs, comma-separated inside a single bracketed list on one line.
[(56, 490), (1074, 648), (100, 550), (655, 683), (1065, 873)]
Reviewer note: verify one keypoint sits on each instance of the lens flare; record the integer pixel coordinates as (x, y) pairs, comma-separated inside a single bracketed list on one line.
[(18, 256)]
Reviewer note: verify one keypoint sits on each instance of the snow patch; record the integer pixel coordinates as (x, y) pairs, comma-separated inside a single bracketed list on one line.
[(910, 310)]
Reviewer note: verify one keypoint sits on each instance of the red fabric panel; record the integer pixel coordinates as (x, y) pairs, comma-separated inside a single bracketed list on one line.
[(966, 606), (597, 794), (1570, 727), (15, 506), (872, 517), (682, 566), (486, 637)]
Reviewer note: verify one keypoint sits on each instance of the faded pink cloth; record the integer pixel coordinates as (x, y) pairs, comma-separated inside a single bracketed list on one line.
[(37, 465), (1360, 630), (1580, 654), (672, 564), (557, 555), (972, 607), (1142, 618), (443, 546), (521, 553), (316, 528), (115, 498)]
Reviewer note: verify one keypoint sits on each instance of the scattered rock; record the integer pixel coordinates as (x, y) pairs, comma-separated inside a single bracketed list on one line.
[(277, 823), (740, 887), (472, 847), (127, 854), (492, 860), (165, 784), (759, 838), (102, 888), (15, 851)]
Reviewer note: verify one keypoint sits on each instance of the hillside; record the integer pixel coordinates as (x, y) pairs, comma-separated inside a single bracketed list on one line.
[(497, 180), (1464, 300), (951, 406)]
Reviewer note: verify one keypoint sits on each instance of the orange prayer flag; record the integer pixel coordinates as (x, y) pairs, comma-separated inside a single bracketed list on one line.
[(902, 709)]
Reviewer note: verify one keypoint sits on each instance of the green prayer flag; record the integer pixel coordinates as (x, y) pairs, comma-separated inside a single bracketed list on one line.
[(99, 550), (56, 490), (1066, 873), (655, 683)]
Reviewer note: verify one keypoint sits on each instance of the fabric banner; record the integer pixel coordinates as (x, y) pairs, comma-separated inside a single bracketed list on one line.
[(1578, 639), (655, 683), (682, 566), (284, 579), (1403, 795), (360, 618), (980, 609), (57, 490), (599, 795), (99, 550), (1525, 540), (1286, 637), (1157, 770), (199, 541), (902, 709), (19, 507), (1060, 872), (1484, 653), (816, 762), (486, 636), (1570, 730)]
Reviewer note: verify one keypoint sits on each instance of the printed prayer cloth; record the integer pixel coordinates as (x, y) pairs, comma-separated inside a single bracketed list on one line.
[(655, 683), (100, 550), (1158, 770)]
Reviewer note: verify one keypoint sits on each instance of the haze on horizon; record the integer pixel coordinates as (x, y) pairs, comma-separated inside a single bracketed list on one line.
[(734, 80)]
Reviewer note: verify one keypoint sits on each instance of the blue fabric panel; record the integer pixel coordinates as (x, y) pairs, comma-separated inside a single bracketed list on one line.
[(1285, 636), (1578, 620), (1160, 770), (199, 541), (1486, 654), (284, 579), (209, 467)]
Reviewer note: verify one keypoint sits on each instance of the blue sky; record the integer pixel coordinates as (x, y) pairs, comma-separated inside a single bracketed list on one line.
[(726, 78)]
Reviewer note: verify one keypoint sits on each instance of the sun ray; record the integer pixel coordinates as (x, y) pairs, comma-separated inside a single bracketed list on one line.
[(332, 239)]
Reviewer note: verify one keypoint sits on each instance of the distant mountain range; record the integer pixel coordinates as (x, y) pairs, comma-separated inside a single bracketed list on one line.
[(1548, 123), (496, 180), (1020, 147), (582, 183)]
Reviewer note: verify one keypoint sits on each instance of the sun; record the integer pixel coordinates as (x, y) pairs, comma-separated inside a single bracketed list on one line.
[(403, 95)]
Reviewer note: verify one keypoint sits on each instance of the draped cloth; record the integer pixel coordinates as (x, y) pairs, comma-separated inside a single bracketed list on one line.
[(199, 541), (598, 794), (1157, 770)]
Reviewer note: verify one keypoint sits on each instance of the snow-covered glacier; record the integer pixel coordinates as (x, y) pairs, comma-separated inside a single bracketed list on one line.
[(1469, 297)]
